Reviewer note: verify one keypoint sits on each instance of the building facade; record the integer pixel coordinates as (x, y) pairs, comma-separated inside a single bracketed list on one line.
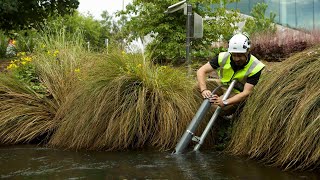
[(301, 14)]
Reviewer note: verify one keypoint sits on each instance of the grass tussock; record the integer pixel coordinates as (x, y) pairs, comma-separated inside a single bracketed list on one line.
[(28, 114), (57, 59), (126, 103), (95, 101), (24, 114), (280, 124)]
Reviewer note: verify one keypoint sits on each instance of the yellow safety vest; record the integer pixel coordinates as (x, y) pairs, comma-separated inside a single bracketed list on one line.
[(227, 74)]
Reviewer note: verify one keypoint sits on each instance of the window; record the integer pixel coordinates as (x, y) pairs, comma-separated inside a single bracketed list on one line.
[(244, 6), (316, 14), (273, 6), (254, 2), (288, 16), (293, 13), (305, 12), (232, 6)]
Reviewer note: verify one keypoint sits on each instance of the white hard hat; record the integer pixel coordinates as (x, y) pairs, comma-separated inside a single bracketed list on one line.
[(239, 43)]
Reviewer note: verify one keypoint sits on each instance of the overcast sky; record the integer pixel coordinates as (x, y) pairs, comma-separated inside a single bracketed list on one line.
[(95, 7)]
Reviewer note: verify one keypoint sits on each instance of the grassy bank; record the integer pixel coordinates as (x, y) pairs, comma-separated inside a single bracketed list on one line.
[(66, 97), (93, 101), (280, 124)]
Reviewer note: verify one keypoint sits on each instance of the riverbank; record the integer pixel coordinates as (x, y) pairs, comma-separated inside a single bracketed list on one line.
[(113, 102)]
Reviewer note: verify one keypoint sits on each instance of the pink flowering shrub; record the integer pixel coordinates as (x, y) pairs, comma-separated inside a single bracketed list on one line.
[(278, 46)]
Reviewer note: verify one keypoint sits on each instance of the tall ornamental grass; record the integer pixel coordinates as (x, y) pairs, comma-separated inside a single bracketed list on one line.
[(27, 114), (57, 58), (280, 124), (127, 102), (24, 114), (93, 100)]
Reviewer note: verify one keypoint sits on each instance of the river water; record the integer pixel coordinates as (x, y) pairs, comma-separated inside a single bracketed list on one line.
[(33, 162)]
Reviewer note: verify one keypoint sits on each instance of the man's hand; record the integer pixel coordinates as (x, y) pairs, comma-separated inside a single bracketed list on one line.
[(206, 93), (216, 100)]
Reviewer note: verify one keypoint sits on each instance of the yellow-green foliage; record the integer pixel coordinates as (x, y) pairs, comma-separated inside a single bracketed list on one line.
[(280, 124), (126, 102)]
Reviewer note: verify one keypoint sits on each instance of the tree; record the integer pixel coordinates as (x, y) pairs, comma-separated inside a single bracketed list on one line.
[(168, 30), (20, 14), (260, 23), (113, 28), (93, 30)]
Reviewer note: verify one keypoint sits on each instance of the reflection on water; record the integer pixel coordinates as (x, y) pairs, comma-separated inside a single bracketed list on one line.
[(43, 163)]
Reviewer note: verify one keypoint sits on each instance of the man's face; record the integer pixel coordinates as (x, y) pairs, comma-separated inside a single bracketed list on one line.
[(239, 58)]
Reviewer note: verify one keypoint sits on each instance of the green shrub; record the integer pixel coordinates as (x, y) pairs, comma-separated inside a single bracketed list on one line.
[(3, 44), (26, 40), (260, 23)]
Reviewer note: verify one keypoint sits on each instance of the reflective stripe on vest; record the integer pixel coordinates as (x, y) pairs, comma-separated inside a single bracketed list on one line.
[(227, 74), (224, 57)]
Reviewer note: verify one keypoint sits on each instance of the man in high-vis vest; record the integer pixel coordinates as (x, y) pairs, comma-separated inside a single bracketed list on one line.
[(237, 64)]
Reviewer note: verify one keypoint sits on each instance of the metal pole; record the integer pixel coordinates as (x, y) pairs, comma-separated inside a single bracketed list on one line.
[(187, 136), (295, 9), (107, 46), (314, 27), (188, 46), (214, 117), (106, 42), (280, 13)]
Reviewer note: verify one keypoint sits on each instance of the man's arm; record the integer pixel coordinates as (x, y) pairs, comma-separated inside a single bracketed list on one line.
[(247, 90), (201, 77)]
